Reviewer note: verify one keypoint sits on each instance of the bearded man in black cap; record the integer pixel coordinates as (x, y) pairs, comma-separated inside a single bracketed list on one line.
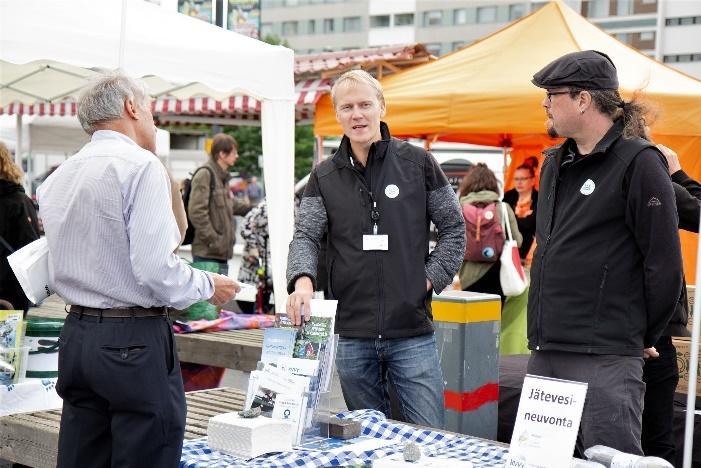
[(607, 271)]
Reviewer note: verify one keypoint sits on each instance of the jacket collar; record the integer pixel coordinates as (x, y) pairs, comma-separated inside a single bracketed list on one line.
[(218, 171), (569, 145), (378, 149)]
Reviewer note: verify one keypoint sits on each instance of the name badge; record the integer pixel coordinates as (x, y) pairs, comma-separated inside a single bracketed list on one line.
[(375, 242)]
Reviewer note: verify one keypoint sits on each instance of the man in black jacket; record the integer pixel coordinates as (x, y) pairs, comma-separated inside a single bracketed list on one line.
[(607, 271), (376, 198)]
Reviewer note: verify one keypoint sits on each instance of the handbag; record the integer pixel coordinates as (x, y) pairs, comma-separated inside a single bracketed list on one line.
[(511, 275)]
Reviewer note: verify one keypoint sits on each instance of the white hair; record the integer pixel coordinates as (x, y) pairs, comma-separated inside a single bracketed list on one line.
[(103, 99)]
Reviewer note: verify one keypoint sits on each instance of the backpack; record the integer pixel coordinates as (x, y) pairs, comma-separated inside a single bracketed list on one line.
[(484, 233), (187, 190)]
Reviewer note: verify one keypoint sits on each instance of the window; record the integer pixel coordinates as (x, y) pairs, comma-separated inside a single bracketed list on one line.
[(434, 48), (596, 8), (404, 19), (379, 21), (460, 16), (623, 37), (329, 25), (266, 29), (647, 36), (289, 28), (487, 14), (682, 58), (516, 11), (311, 27), (433, 18), (684, 21), (458, 45), (624, 7), (351, 24)]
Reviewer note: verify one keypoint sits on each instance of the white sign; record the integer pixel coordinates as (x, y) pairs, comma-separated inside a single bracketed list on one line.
[(547, 423)]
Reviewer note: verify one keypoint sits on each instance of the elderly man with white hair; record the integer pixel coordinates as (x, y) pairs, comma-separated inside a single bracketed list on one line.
[(111, 234)]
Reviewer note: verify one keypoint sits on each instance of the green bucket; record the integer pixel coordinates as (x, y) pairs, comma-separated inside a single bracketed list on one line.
[(42, 339)]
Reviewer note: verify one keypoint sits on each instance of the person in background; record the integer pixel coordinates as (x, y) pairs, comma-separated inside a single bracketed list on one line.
[(254, 191), (607, 271), (211, 209), (255, 264), (111, 231), (523, 200), (661, 375), (18, 226), (481, 188)]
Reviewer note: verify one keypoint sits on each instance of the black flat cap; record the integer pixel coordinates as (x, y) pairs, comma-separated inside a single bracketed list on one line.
[(588, 69)]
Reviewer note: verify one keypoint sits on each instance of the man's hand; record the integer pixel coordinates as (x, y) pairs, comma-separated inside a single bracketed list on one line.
[(225, 289), (672, 159), (298, 301), (650, 353), (429, 285)]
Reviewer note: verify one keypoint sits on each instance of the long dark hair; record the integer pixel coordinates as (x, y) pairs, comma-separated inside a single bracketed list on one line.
[(479, 178), (635, 114)]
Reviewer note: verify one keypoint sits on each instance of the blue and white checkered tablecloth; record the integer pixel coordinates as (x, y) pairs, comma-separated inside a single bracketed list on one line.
[(196, 453)]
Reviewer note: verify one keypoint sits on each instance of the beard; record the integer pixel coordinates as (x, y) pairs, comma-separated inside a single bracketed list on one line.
[(552, 133)]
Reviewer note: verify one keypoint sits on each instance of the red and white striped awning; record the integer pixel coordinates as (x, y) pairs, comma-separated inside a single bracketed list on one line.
[(308, 93)]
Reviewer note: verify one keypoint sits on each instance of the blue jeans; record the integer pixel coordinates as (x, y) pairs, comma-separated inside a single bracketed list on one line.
[(410, 365), (223, 264)]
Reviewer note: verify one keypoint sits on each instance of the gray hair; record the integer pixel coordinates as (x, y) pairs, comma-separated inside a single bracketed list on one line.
[(103, 99)]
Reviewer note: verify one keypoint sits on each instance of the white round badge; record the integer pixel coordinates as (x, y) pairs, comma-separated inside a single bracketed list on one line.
[(392, 191), (488, 215), (588, 187)]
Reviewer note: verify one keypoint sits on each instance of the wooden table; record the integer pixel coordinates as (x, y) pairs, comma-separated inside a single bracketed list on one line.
[(233, 349), (32, 438)]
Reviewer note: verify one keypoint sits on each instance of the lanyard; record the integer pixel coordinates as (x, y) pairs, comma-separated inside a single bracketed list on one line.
[(374, 214), (374, 211)]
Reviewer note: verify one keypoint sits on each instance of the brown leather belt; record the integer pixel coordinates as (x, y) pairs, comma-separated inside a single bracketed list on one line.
[(125, 312)]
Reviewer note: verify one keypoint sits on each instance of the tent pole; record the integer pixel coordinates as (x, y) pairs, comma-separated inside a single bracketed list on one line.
[(122, 35), (18, 145), (693, 370), (318, 149)]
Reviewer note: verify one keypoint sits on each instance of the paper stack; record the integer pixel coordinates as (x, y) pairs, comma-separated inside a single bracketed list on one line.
[(248, 438)]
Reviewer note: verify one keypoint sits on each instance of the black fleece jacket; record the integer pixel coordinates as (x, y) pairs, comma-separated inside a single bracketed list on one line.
[(607, 272)]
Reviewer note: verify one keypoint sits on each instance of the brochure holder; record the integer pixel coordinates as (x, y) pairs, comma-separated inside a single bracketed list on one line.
[(315, 428)]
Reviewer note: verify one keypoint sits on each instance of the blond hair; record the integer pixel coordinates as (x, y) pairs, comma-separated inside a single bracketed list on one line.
[(8, 169), (356, 77)]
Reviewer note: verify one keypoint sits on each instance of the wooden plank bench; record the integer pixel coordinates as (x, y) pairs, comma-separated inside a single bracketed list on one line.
[(233, 349), (32, 438)]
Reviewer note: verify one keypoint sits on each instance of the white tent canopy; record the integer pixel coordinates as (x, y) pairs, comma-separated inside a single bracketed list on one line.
[(49, 49)]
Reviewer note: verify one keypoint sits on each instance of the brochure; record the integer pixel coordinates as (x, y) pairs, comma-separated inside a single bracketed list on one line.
[(277, 343)]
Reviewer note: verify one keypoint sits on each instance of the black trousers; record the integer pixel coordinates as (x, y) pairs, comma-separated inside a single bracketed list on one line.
[(123, 398), (660, 376)]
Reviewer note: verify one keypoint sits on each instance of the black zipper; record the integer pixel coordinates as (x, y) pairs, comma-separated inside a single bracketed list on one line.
[(378, 261), (552, 194)]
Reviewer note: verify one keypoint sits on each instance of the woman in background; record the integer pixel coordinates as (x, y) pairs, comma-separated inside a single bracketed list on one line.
[(18, 226), (523, 200), (481, 188)]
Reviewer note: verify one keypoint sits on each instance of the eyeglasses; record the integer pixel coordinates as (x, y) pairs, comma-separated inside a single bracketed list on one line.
[(521, 179), (555, 93)]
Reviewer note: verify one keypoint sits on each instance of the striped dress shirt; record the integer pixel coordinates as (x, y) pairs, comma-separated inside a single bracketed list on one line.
[(111, 231)]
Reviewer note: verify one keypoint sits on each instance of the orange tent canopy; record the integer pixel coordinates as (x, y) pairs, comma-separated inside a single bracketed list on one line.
[(482, 94)]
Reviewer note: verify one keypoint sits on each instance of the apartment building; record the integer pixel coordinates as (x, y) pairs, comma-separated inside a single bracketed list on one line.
[(669, 30)]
